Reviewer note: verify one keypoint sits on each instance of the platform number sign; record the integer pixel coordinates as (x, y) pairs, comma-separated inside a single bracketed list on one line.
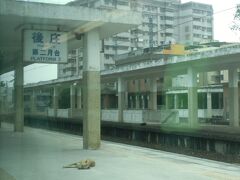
[(44, 46)]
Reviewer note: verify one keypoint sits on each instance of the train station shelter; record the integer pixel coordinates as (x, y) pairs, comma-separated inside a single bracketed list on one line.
[(37, 32)]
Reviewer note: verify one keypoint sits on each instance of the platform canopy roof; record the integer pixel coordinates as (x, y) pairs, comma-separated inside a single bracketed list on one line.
[(18, 15)]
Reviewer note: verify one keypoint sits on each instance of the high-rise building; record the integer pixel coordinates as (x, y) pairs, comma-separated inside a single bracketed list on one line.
[(118, 44), (74, 66), (163, 21), (158, 23), (195, 23)]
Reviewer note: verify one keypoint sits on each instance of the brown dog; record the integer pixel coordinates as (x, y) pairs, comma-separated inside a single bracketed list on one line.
[(84, 164)]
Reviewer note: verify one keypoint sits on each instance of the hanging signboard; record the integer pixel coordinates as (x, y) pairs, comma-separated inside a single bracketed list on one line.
[(44, 46)]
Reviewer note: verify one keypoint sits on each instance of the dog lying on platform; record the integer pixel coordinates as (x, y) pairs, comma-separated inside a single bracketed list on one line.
[(84, 164)]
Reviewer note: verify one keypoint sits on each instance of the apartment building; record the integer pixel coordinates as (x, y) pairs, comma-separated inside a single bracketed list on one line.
[(118, 44), (158, 23), (195, 23), (74, 66), (163, 21)]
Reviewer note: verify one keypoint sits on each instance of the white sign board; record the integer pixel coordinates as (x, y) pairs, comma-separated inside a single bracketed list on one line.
[(44, 46)]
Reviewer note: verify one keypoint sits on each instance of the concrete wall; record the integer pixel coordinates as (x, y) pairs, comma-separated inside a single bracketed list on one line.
[(50, 112), (109, 115), (163, 116), (138, 116), (202, 113), (77, 113), (63, 113), (148, 116), (133, 116)]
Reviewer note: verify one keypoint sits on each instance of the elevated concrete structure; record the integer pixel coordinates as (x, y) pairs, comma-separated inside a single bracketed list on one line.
[(192, 97), (83, 26), (213, 59), (17, 15), (155, 67), (121, 98), (19, 116), (91, 90), (233, 97)]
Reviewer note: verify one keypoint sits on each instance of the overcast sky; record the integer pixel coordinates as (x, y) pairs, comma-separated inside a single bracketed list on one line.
[(222, 22)]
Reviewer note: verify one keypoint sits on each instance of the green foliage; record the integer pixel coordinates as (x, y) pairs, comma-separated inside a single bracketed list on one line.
[(237, 15), (236, 21), (2, 84)]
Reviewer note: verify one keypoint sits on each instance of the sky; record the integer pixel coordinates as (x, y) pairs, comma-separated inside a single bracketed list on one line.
[(223, 17)]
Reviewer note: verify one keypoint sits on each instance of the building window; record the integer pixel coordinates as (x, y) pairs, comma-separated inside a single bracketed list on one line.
[(202, 100), (209, 21), (217, 100), (209, 29), (197, 35), (182, 101), (107, 56)]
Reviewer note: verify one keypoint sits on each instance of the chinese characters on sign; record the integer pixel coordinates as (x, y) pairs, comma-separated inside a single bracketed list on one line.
[(44, 47)]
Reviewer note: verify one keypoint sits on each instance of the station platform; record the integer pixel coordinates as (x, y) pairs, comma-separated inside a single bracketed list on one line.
[(40, 154)]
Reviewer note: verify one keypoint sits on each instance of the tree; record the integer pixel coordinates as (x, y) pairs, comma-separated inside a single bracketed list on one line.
[(236, 21), (2, 84)]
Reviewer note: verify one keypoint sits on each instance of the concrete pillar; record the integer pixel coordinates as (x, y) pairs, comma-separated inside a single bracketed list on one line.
[(175, 101), (131, 102), (126, 97), (137, 84), (167, 101), (233, 97), (121, 98), (142, 102), (91, 90), (1, 110), (72, 99), (209, 105), (137, 101), (105, 101), (153, 94), (225, 102), (79, 98), (55, 100), (33, 102), (192, 98), (19, 106), (1, 106)]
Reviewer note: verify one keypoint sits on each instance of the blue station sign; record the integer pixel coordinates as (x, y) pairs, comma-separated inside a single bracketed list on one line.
[(44, 46)]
